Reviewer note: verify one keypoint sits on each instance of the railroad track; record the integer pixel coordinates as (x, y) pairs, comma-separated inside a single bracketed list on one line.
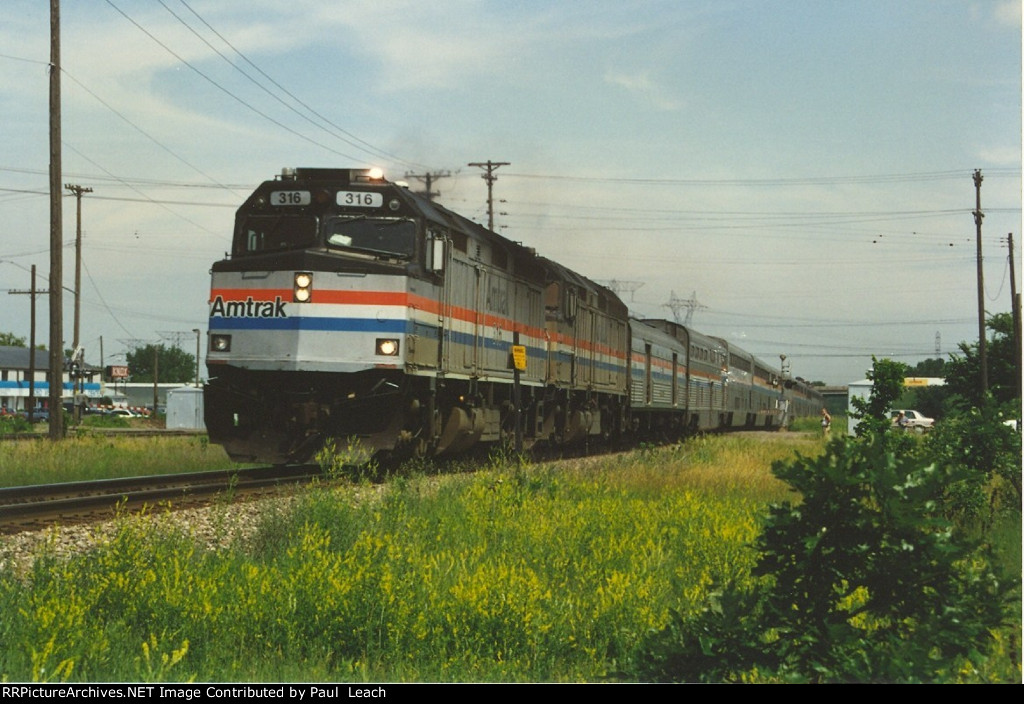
[(35, 507)]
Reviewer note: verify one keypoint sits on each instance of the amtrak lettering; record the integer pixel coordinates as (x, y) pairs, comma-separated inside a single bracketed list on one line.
[(248, 308), (497, 300)]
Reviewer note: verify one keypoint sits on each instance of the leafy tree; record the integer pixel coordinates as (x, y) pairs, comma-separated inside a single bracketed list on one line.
[(988, 454), (928, 368), (930, 400), (9, 339), (863, 580), (963, 372), (886, 378), (173, 364)]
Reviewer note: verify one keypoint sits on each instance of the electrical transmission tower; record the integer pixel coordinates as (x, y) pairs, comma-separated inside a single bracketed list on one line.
[(676, 305), (176, 336), (427, 180), (618, 286)]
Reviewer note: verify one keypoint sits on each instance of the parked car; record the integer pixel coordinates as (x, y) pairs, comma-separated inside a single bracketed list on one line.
[(39, 415), (910, 420), (123, 412)]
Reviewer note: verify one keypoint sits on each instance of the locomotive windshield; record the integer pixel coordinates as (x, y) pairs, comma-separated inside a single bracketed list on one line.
[(273, 233), (390, 236)]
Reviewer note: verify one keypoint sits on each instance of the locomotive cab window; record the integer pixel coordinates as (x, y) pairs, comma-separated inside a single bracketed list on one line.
[(394, 237), (273, 233)]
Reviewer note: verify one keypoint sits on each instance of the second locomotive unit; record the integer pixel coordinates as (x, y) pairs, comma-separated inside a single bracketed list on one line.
[(352, 307)]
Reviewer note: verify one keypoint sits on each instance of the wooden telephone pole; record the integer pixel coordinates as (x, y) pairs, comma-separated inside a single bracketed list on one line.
[(489, 168), (32, 292), (56, 236), (1015, 308), (982, 354), (78, 191)]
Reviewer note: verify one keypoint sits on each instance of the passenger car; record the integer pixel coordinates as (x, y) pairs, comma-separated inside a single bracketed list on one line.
[(914, 420)]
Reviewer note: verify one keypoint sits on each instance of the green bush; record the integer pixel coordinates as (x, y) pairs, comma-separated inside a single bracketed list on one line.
[(14, 424), (988, 454), (104, 421), (863, 579)]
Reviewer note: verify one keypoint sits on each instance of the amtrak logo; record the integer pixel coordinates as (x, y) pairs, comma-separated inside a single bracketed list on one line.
[(248, 308)]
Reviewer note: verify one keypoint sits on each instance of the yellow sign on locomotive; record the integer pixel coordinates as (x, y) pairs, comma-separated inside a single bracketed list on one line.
[(518, 359)]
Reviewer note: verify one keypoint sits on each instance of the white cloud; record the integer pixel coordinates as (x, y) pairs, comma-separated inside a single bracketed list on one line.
[(642, 85), (1008, 13)]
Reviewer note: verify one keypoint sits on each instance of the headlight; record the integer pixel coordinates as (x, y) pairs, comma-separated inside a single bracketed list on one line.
[(303, 289), (387, 347), (220, 343)]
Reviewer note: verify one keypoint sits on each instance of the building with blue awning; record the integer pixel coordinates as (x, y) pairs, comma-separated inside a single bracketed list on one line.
[(20, 382)]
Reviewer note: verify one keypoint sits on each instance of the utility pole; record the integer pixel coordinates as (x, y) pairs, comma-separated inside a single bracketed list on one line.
[(982, 354), (77, 381), (428, 179), (198, 332), (489, 168), (56, 235), (32, 293), (78, 191), (1015, 307), (156, 378)]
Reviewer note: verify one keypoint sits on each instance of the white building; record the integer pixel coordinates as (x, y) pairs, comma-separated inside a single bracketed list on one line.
[(185, 408), (17, 383)]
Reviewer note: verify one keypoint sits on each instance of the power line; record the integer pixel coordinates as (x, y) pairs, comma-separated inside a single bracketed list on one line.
[(792, 181), (138, 180), (345, 135), (144, 196), (22, 58), (145, 134), (106, 306), (224, 90)]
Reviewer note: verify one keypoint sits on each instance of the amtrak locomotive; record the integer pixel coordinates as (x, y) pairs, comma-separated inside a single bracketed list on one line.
[(352, 307)]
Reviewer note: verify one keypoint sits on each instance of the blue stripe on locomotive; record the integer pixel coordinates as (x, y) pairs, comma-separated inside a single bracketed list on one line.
[(395, 326)]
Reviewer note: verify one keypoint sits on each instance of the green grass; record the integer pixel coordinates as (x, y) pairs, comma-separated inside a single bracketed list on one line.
[(86, 457), (515, 573), (812, 424)]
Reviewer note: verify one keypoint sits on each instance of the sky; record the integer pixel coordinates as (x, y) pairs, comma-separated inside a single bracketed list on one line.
[(800, 170)]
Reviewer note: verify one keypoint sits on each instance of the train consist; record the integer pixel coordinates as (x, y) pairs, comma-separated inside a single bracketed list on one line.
[(352, 307)]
